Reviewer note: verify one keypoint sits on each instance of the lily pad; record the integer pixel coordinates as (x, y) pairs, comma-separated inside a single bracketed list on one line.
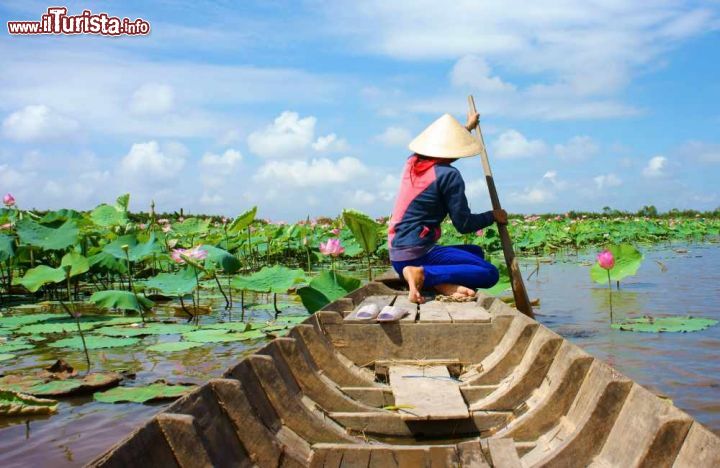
[(152, 328), (123, 300), (18, 344), (47, 238), (59, 325), (174, 284), (5, 357), (37, 277), (681, 324), (270, 279), (173, 347), (156, 391), (14, 321), (46, 385), (229, 326), (18, 404), (94, 342), (221, 336)]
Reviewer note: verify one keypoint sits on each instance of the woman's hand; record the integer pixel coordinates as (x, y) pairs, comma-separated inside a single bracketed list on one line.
[(500, 216), (472, 120)]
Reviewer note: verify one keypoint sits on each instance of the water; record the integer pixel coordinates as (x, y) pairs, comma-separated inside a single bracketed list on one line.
[(682, 366)]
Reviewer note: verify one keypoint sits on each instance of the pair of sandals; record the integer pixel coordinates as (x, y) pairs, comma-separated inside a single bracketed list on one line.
[(387, 314)]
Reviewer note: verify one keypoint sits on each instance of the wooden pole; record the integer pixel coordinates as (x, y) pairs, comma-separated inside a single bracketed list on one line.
[(518, 286)]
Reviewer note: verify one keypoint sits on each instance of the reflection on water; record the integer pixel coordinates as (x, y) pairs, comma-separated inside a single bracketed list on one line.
[(682, 366)]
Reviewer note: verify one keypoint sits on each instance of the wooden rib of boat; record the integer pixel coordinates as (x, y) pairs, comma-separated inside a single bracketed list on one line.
[(453, 384)]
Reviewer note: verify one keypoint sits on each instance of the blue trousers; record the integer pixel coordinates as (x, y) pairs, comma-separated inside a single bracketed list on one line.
[(457, 264)]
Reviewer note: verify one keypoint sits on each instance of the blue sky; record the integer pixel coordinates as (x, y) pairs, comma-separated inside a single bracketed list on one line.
[(307, 107)]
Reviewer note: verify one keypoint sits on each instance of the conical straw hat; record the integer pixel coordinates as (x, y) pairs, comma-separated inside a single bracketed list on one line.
[(446, 138)]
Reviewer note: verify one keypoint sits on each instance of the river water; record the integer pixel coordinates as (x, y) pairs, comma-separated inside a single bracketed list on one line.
[(682, 366)]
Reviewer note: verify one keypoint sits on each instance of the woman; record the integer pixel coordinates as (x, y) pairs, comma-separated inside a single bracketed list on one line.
[(430, 190)]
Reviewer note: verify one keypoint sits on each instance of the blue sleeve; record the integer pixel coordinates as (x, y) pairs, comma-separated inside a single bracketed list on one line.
[(452, 188)]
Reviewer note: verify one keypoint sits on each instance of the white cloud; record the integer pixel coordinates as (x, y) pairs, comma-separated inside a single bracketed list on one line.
[(395, 136), (37, 122), (152, 99), (147, 160), (321, 171), (513, 144), (607, 180), (577, 148), (287, 136), (701, 151), (474, 72), (211, 199), (225, 162), (362, 197), (330, 143), (655, 167), (532, 196)]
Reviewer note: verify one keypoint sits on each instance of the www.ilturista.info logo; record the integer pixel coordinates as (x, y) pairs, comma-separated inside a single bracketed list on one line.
[(57, 21)]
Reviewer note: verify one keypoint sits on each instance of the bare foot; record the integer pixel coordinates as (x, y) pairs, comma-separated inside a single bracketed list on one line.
[(414, 277), (454, 290)]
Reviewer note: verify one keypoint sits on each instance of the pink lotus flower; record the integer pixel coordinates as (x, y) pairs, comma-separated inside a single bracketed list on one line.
[(479, 233), (332, 247), (335, 232), (167, 228), (142, 226), (224, 220), (9, 200), (163, 221), (6, 226), (606, 259), (196, 253)]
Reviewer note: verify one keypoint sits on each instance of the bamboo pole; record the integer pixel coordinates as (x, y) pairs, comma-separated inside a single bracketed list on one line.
[(522, 303)]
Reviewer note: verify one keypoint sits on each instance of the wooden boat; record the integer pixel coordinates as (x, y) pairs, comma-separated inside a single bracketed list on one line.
[(453, 384)]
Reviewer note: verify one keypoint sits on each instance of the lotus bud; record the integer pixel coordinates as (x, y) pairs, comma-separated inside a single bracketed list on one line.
[(9, 200), (606, 260)]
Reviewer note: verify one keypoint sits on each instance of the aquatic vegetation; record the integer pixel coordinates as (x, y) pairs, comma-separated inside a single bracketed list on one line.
[(152, 392), (19, 404), (682, 324)]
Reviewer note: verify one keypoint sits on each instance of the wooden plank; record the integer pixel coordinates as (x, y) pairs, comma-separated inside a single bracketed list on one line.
[(503, 453), (434, 311), (380, 301), (467, 312), (428, 392), (470, 454), (404, 303)]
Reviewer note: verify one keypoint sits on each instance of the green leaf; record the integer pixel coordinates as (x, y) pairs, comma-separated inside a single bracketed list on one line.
[(221, 336), (326, 288), (94, 342), (59, 325), (18, 404), (78, 264), (627, 261), (156, 391), (7, 247), (39, 276), (44, 385), (136, 251), (151, 328), (107, 263), (123, 202), (242, 221), (665, 324), (191, 227), (503, 283), (14, 321), (222, 258), (5, 357), (174, 284), (37, 235), (364, 228), (123, 300), (108, 216), (173, 347), (18, 344), (277, 279)]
